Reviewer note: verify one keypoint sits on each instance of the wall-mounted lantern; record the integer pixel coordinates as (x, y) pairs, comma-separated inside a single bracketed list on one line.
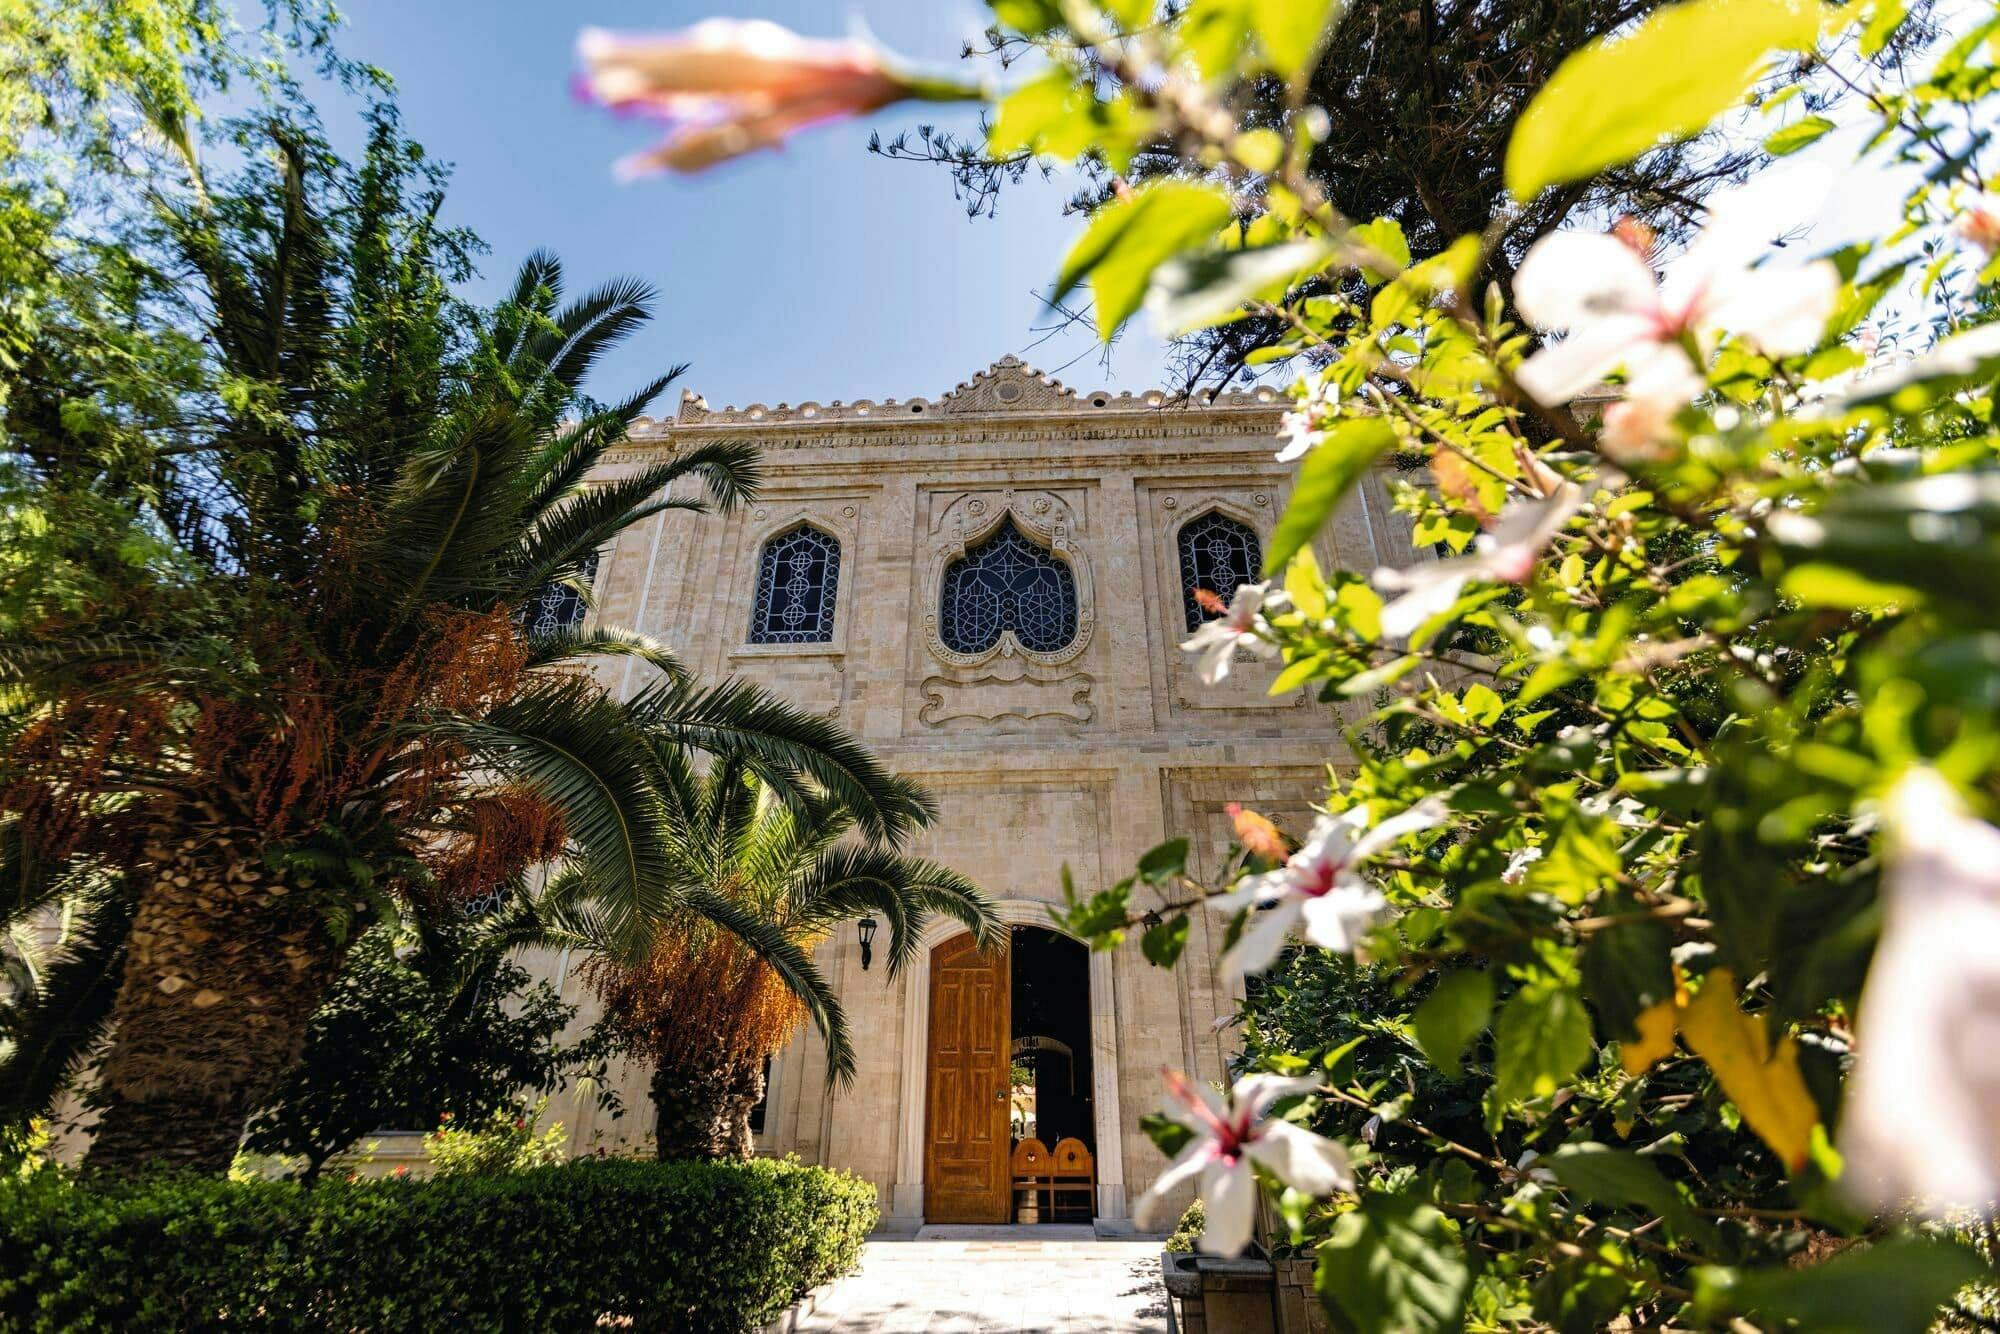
[(867, 925)]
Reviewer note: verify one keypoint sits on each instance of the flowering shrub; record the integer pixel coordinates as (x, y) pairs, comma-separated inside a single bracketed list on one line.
[(504, 1142), (1651, 936)]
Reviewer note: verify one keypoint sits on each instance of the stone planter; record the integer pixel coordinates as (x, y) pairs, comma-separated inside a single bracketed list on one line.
[(1208, 1295), (1299, 1309)]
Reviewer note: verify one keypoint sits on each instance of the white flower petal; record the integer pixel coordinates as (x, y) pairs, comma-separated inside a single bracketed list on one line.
[(1301, 1159), (1189, 1163), (1263, 936), (1782, 312), (1214, 667), (1532, 523), (1744, 222), (1405, 615), (1268, 887), (1426, 813), (1919, 1126), (1561, 371), (1229, 1195), (1574, 278), (1337, 919), (1257, 1092)]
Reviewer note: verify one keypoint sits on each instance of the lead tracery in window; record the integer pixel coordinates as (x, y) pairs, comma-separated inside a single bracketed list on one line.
[(1007, 583), (797, 578)]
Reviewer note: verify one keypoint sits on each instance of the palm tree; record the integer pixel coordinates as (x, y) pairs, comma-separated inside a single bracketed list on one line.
[(706, 1010), (316, 700)]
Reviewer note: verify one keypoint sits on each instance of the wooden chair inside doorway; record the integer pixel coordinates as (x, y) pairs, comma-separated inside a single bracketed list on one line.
[(1073, 1180), (1033, 1169)]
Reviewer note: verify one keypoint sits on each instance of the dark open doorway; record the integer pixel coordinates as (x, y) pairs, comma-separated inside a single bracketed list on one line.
[(1052, 1103)]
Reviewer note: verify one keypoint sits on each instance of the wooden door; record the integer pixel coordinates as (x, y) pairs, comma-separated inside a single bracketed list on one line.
[(965, 1143)]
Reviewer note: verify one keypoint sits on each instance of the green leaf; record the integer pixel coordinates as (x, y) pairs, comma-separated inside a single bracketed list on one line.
[(1482, 705), (1797, 135), (1893, 1286), (1051, 115), (1452, 1016), (1542, 1037), (1392, 1264), (1129, 238), (1297, 673), (1291, 31), (1381, 238), (1627, 969), (1192, 292), (1821, 585), (1031, 18), (1164, 943), (1666, 80), (1601, 1174), (1168, 1134), (1328, 473), (1165, 861)]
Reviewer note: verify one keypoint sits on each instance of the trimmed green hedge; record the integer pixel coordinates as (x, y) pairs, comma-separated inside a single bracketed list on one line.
[(680, 1246)]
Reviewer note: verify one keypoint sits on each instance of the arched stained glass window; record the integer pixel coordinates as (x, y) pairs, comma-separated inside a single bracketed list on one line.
[(1007, 583), (1217, 553), (559, 606), (797, 577)]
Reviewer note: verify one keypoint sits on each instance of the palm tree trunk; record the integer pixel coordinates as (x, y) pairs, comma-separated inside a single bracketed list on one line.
[(704, 1107), (227, 964)]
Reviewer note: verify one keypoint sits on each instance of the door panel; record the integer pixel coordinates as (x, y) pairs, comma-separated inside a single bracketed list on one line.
[(965, 1147)]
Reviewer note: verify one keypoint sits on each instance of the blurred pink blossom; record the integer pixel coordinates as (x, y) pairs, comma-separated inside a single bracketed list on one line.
[(726, 87)]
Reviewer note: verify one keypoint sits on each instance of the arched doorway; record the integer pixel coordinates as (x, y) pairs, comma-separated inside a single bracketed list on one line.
[(909, 1197), (1010, 1054)]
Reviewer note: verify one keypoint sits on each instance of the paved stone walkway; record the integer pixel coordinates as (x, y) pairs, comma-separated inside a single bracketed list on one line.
[(965, 1279)]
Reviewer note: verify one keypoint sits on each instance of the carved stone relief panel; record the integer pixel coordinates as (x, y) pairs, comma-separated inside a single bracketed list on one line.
[(1007, 606)]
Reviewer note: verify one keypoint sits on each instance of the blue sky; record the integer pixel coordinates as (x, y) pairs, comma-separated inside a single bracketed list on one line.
[(821, 272)]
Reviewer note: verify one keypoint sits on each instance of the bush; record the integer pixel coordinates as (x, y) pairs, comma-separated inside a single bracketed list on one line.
[(505, 1142), (682, 1246)]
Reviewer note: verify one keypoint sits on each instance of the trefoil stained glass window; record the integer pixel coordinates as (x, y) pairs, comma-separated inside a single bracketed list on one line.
[(797, 577), (1007, 583), (1217, 553), (559, 606)]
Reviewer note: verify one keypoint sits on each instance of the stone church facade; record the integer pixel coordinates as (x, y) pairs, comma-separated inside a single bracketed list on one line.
[(989, 589)]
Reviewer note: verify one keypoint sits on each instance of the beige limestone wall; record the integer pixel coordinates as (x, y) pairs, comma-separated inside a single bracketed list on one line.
[(1084, 758)]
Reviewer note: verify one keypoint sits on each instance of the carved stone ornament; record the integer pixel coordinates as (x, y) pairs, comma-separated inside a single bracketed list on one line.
[(971, 519)]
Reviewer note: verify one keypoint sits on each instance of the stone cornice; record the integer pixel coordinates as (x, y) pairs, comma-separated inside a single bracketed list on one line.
[(1008, 402)]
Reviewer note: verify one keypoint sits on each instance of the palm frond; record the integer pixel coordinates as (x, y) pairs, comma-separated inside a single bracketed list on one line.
[(573, 450), (577, 747), (546, 650), (51, 1033), (849, 881), (787, 748)]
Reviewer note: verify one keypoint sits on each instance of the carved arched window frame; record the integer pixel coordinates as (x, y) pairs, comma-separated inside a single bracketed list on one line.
[(969, 523), (1211, 549), (796, 597)]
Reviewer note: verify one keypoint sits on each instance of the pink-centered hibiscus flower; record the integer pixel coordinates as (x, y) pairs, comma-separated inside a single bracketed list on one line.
[(1231, 1135), (1316, 408), (1920, 1128), (1242, 625), (1505, 554), (1319, 887), (1619, 315), (726, 87)]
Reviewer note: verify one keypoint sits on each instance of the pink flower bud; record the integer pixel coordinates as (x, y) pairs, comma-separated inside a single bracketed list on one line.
[(1980, 223), (726, 87)]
